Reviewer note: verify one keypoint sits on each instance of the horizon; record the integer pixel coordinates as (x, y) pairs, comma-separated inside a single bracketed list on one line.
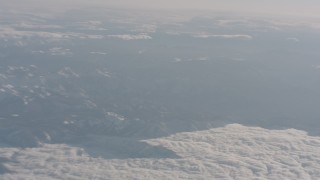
[(284, 7)]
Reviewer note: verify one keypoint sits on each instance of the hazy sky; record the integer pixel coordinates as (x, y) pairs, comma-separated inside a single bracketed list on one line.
[(298, 7)]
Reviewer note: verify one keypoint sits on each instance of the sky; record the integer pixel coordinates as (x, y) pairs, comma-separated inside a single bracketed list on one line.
[(287, 7)]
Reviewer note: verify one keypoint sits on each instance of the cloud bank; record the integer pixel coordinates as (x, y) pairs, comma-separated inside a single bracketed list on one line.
[(128, 37), (230, 152), (225, 36)]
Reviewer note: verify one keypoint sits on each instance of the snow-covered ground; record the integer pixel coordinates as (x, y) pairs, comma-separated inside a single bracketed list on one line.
[(231, 152)]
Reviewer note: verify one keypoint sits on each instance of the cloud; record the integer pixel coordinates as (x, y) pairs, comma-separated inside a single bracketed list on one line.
[(202, 58), (128, 37), (32, 25), (141, 51), (54, 51), (59, 51), (230, 152), (103, 72), (8, 32), (98, 53), (146, 28), (316, 66), (91, 25), (12, 33), (225, 36), (293, 39), (67, 72)]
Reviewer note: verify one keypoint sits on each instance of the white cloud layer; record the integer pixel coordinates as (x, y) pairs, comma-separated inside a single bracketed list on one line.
[(128, 37), (12, 33), (231, 152), (225, 36)]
